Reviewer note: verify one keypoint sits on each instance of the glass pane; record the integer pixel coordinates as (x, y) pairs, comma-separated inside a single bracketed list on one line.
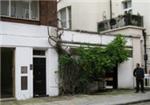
[(125, 5), (4, 8), (129, 4), (20, 9), (63, 17), (38, 52), (34, 10), (13, 9), (69, 11)]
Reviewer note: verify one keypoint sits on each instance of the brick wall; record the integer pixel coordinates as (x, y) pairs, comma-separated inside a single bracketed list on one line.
[(48, 12)]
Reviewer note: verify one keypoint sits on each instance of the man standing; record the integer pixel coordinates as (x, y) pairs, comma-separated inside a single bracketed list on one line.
[(139, 74)]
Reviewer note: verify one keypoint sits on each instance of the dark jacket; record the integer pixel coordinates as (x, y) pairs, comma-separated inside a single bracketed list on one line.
[(138, 73)]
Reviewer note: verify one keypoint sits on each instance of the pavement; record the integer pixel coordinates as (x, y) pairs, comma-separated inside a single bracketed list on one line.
[(115, 97)]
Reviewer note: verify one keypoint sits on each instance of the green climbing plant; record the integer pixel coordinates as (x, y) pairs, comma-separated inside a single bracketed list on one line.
[(90, 64)]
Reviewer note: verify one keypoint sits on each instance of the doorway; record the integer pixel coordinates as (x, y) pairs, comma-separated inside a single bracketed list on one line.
[(111, 78), (39, 74), (7, 73)]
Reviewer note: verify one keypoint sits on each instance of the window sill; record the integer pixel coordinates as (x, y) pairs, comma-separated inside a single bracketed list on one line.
[(18, 20)]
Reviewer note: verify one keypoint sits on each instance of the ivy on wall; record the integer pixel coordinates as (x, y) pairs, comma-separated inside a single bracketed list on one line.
[(86, 65)]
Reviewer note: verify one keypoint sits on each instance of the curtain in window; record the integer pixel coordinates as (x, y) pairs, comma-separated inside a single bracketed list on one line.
[(34, 10), (63, 17), (20, 9)]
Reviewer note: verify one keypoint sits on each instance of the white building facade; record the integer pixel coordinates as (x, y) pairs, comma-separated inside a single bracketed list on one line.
[(29, 64), (25, 40), (86, 15)]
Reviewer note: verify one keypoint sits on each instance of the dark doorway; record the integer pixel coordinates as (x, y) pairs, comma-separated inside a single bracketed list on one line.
[(111, 78), (39, 72), (7, 55), (115, 78)]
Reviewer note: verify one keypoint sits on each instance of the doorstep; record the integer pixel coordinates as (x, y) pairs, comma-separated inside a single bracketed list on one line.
[(7, 99)]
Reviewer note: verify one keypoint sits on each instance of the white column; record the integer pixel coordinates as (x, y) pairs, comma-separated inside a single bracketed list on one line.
[(23, 57), (52, 88)]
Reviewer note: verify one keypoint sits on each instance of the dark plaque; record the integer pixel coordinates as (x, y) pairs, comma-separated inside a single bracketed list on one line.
[(31, 66), (24, 82)]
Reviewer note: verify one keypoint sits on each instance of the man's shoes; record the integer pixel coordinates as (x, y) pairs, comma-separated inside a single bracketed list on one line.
[(136, 92), (143, 92)]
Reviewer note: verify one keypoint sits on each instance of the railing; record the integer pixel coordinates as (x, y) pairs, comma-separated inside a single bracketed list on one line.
[(147, 80), (120, 21)]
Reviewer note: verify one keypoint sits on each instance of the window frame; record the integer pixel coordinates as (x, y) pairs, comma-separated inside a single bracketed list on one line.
[(68, 20), (128, 8), (30, 15)]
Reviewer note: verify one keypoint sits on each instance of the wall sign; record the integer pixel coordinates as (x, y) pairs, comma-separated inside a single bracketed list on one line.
[(31, 66)]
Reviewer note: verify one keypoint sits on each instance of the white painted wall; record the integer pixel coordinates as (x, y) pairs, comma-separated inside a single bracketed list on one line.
[(90, 38), (14, 34), (86, 13), (52, 73), (23, 57), (24, 38), (125, 74)]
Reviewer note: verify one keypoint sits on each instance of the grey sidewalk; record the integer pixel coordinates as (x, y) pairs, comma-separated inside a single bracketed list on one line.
[(109, 98)]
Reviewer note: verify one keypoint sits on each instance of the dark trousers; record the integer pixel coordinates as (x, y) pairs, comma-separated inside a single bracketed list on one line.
[(138, 83)]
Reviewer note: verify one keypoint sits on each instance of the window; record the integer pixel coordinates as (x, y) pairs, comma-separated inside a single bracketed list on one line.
[(69, 15), (65, 17), (4, 8), (127, 6), (34, 10), (23, 9), (39, 52)]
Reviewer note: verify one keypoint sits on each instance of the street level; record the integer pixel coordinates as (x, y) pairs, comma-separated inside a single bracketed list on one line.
[(115, 97)]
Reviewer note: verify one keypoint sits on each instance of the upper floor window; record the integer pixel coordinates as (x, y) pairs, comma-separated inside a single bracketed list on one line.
[(127, 6), (21, 9), (65, 18)]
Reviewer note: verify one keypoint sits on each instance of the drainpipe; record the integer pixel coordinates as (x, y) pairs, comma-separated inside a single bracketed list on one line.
[(110, 7), (110, 4), (145, 52)]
